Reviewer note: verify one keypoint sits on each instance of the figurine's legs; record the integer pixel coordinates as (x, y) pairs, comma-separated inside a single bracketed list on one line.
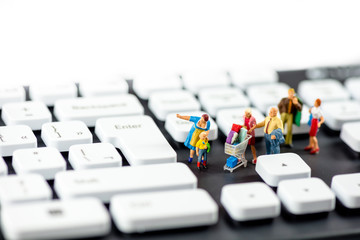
[(276, 149), (267, 143), (287, 118), (253, 151), (192, 152)]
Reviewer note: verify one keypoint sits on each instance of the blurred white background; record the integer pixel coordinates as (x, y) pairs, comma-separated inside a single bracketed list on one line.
[(73, 40)]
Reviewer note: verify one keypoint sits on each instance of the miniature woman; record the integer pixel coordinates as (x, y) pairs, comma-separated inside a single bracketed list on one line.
[(201, 124), (249, 122), (316, 113)]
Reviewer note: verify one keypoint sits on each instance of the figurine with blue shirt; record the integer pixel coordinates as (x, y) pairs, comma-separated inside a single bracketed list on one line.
[(273, 129), (201, 124)]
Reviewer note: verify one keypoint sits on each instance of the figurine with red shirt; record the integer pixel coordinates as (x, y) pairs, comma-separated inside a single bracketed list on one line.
[(316, 122), (249, 122)]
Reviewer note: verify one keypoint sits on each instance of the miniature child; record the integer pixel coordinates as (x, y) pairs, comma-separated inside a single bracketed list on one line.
[(201, 124), (316, 113), (201, 150)]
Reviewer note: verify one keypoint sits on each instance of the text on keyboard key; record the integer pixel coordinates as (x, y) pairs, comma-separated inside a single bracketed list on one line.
[(137, 213), (11, 94), (306, 196), (96, 155), (45, 161), (164, 103), (138, 138), (103, 183), (89, 110), (24, 188), (250, 201), (79, 218), (32, 114), (277, 167), (216, 99), (16, 137), (62, 135)]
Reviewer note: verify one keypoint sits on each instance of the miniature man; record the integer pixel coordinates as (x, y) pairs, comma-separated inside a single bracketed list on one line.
[(289, 107), (273, 132), (201, 150)]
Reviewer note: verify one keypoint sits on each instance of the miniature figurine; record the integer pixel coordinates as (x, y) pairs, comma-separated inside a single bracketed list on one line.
[(273, 132), (249, 122), (290, 112), (201, 150), (316, 114), (201, 124)]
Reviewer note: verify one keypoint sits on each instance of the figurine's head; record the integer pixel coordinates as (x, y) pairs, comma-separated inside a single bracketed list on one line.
[(203, 135), (317, 103), (205, 117), (291, 93), (248, 113), (273, 112)]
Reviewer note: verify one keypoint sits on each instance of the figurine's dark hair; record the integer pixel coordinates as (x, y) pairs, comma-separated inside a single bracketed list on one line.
[(205, 117), (318, 101)]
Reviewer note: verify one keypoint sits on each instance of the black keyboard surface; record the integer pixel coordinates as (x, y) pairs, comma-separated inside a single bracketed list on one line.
[(334, 158)]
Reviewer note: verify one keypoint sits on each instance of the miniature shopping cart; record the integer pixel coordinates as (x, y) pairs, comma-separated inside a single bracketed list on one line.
[(237, 151)]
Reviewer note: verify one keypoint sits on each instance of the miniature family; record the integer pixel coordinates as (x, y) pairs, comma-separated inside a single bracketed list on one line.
[(290, 108)]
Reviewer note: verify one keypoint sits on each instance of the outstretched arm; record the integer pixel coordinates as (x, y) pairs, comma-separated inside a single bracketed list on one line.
[(183, 117)]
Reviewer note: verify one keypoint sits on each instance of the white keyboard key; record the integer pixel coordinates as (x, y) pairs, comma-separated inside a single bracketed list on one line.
[(179, 129), (62, 135), (250, 201), (227, 117), (103, 183), (338, 113), (79, 218), (9, 93), (96, 155), (274, 168), (353, 86), (350, 134), (48, 93), (24, 188), (325, 89), (3, 167), (32, 114), (197, 80), (306, 196), (246, 77), (215, 99), (103, 88), (303, 128), (16, 137), (138, 138), (266, 95), (45, 161), (346, 188), (89, 110), (164, 103), (144, 86), (137, 213)]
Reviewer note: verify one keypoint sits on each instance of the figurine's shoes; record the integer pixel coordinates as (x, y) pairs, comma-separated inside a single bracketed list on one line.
[(204, 165), (190, 160), (198, 165), (308, 148), (254, 161), (315, 151)]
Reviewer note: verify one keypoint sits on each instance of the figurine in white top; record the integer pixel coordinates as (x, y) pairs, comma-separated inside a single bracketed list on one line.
[(316, 122)]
